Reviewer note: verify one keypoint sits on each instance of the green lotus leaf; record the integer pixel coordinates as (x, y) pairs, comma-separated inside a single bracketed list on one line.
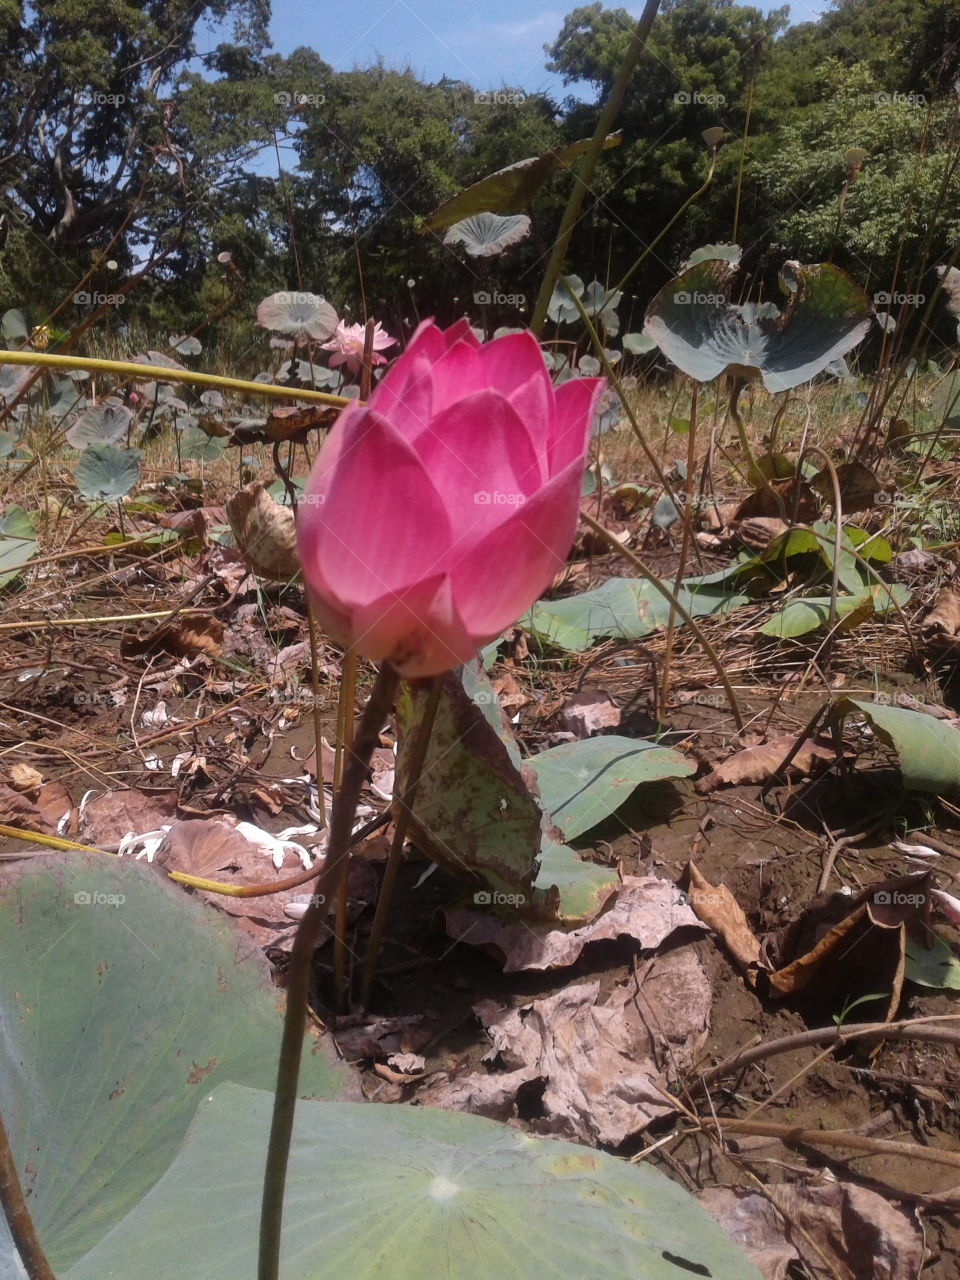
[(697, 325), (413, 1193), (509, 189), (627, 609), (18, 543), (486, 235), (123, 1001), (928, 749), (106, 471), (581, 783), (99, 424)]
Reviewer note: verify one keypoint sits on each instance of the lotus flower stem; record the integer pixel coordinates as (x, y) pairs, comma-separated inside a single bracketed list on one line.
[(298, 975), (588, 163), (160, 373), (743, 158), (403, 809), (754, 472), (18, 1215), (671, 599)]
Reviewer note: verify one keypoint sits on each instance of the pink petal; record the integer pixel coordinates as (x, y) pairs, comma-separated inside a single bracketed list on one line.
[(405, 393), (461, 331), (481, 459), (458, 372), (371, 521), (533, 402), (499, 578), (510, 361), (574, 404), (418, 629), (331, 621)]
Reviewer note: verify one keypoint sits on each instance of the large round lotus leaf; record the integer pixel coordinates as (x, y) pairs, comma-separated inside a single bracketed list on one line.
[(485, 235), (598, 302), (638, 344), (728, 252), (106, 471), (122, 1001), (928, 749), (696, 324), (14, 325), (627, 608), (99, 424), (18, 543), (581, 783), (185, 344), (562, 309), (301, 315), (409, 1193), (509, 189), (200, 446)]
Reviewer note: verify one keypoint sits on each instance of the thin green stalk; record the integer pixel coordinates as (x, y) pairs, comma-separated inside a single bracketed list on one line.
[(160, 373), (646, 572), (754, 472), (403, 810), (584, 173), (685, 540), (672, 223), (743, 157), (837, 543), (298, 974)]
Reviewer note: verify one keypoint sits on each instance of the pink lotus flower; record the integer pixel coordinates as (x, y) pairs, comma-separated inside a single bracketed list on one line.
[(348, 342), (438, 511)]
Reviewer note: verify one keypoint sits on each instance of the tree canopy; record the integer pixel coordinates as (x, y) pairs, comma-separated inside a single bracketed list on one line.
[(115, 134)]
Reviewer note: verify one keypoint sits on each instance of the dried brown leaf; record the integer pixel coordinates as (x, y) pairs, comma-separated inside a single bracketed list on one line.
[(762, 503), (24, 778), (862, 1235), (758, 533), (182, 639), (716, 906), (756, 764), (604, 1067), (265, 533), (645, 909), (16, 810), (115, 814), (589, 712), (944, 618), (858, 486)]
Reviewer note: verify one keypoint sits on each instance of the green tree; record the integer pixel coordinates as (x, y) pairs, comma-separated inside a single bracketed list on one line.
[(907, 191), (700, 61), (86, 133)]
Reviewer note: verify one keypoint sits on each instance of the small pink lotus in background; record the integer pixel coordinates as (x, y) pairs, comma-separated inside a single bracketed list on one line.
[(438, 511), (348, 343)]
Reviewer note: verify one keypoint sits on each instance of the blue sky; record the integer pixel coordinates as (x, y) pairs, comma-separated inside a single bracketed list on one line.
[(491, 44)]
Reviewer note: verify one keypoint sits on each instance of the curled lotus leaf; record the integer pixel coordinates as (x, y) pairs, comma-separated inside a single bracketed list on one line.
[(697, 326), (485, 235)]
